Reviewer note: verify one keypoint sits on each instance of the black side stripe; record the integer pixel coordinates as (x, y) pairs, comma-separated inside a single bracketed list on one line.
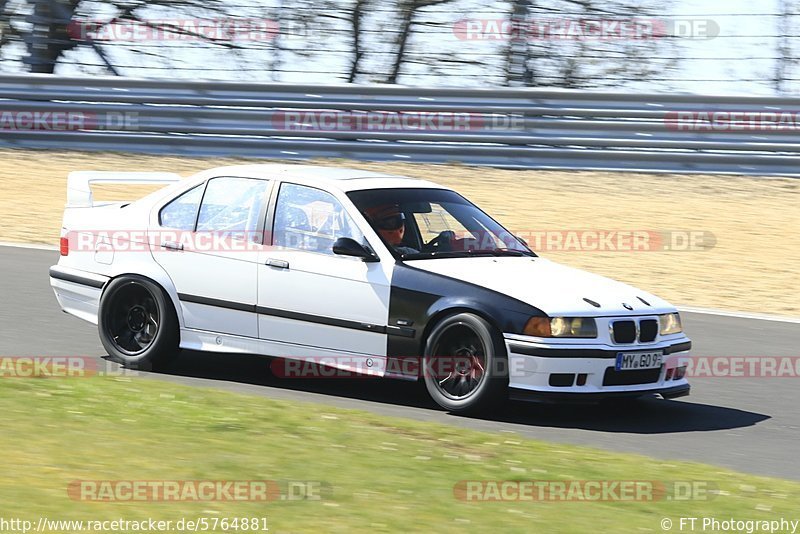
[(75, 279), (217, 303), (591, 353), (297, 316), (329, 321)]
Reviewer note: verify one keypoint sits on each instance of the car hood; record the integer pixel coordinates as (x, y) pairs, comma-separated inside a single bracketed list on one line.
[(555, 289)]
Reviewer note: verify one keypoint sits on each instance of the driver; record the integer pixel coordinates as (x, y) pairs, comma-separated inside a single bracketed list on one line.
[(390, 222)]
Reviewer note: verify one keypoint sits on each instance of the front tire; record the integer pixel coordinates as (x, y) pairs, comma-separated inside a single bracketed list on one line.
[(465, 366), (137, 323)]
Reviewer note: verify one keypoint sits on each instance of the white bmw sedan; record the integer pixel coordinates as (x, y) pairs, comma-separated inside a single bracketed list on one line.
[(368, 273)]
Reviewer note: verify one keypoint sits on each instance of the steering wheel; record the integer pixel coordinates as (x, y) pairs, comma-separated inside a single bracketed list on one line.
[(441, 243)]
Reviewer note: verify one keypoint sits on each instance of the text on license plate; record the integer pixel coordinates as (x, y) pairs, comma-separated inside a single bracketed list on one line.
[(627, 361)]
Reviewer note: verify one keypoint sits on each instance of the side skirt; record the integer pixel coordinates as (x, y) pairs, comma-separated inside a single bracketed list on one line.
[(200, 340)]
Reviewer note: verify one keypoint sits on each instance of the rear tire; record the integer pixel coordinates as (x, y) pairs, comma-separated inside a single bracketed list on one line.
[(137, 323), (465, 366)]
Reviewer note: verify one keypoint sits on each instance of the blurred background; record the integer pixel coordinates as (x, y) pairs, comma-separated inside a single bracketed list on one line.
[(698, 46)]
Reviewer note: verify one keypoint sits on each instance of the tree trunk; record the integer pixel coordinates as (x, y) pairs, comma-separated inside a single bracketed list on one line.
[(409, 10), (518, 72), (355, 21), (50, 37), (783, 48)]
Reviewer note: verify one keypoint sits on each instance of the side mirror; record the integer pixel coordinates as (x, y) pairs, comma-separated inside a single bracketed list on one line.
[(345, 246)]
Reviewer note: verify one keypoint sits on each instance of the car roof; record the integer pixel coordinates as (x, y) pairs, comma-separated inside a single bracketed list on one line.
[(340, 178)]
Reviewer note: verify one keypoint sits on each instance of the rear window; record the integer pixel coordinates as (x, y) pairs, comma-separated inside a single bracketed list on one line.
[(233, 205), (181, 213)]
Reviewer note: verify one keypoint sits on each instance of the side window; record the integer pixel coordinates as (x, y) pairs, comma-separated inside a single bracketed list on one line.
[(233, 205), (182, 212), (310, 219)]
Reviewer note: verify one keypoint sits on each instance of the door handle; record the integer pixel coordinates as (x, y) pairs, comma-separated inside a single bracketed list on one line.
[(171, 246), (278, 264)]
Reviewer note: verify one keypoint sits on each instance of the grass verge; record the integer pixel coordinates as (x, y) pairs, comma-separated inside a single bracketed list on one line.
[(382, 473)]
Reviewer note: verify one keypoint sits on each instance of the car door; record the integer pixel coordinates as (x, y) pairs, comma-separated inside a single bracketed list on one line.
[(208, 242), (312, 302)]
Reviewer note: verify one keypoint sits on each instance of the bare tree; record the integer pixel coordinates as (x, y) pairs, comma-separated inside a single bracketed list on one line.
[(356, 22), (408, 11), (52, 28), (536, 57), (349, 40), (518, 65), (783, 61), (48, 38)]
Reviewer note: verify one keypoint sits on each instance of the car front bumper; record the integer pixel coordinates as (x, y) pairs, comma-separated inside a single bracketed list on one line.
[(562, 372)]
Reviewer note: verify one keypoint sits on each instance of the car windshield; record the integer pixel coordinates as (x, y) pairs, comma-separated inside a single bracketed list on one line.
[(434, 223)]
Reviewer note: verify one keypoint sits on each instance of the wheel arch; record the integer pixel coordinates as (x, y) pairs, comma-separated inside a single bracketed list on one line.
[(449, 309), (157, 276), (420, 299)]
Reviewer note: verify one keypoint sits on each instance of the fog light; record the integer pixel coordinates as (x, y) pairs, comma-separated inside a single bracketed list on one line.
[(680, 372), (581, 379), (561, 380), (669, 373)]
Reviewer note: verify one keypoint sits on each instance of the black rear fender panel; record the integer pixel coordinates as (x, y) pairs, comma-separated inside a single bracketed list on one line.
[(420, 298)]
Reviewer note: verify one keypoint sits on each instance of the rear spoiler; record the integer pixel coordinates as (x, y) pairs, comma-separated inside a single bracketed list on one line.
[(79, 184)]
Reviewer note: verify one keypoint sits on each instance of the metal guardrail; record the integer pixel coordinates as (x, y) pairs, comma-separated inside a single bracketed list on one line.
[(511, 128)]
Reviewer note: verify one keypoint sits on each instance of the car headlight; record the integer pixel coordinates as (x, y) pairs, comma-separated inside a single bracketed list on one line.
[(670, 324), (579, 327)]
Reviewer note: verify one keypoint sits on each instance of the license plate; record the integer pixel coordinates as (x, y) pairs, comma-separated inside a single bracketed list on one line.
[(630, 361)]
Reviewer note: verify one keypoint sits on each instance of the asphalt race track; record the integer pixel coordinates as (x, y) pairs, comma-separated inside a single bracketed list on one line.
[(748, 424)]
